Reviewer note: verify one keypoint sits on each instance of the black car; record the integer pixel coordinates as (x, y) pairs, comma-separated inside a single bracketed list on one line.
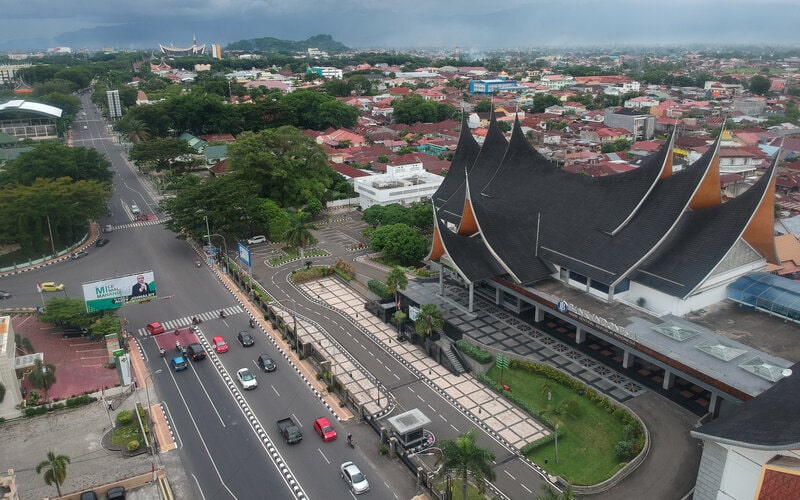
[(116, 493), (101, 242), (196, 352), (245, 339), (74, 331), (266, 363), (4, 295)]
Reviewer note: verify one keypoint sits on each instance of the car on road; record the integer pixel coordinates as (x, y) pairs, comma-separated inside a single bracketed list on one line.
[(116, 493), (355, 479), (101, 242), (245, 339), (135, 209), (266, 363), (219, 344), (325, 430), (51, 286), (108, 229), (195, 352), (80, 253), (4, 295), (256, 240), (179, 363), (246, 378), (155, 328)]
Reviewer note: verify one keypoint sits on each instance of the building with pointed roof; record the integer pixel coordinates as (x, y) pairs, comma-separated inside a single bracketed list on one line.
[(194, 50)]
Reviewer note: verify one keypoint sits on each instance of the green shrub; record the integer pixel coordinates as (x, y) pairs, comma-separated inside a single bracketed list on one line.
[(85, 399), (342, 274), (57, 406), (474, 351), (125, 417), (624, 450), (2, 392), (32, 411), (133, 445), (379, 289), (543, 441)]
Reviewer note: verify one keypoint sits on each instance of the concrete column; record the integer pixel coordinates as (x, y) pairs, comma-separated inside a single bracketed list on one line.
[(580, 335), (538, 313), (669, 380), (471, 297), (627, 359), (498, 296), (441, 280), (714, 404)]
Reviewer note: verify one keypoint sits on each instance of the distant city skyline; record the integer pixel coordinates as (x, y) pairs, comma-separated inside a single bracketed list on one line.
[(468, 24)]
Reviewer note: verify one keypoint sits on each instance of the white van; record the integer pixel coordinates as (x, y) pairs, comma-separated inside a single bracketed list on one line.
[(256, 239), (135, 210)]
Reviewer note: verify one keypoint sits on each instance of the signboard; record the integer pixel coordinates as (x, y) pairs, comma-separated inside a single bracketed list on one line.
[(118, 352), (112, 293), (244, 254), (413, 311), (501, 362)]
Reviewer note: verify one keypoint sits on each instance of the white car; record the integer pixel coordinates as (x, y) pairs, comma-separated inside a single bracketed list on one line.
[(246, 378), (256, 239), (135, 210), (354, 478)]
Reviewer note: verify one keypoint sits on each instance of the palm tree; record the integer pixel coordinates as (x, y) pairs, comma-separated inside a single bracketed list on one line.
[(135, 130), (396, 280), (23, 345), (462, 456), (55, 469), (429, 319), (43, 377), (299, 234), (557, 413)]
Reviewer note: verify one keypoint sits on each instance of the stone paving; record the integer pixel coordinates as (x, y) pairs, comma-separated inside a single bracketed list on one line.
[(482, 405)]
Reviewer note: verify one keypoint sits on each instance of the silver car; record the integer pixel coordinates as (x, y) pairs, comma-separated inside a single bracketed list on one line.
[(354, 478)]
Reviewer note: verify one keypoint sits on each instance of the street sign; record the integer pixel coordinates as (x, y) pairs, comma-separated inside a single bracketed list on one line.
[(118, 352), (501, 362)]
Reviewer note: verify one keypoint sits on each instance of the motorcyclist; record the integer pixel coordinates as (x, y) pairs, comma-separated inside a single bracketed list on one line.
[(197, 263), (221, 313), (252, 323), (178, 345), (162, 351), (194, 320), (177, 331)]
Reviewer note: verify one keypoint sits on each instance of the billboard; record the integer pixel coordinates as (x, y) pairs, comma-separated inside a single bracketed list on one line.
[(244, 255), (112, 293)]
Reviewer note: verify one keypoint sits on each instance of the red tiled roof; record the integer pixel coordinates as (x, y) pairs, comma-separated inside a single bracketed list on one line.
[(778, 484)]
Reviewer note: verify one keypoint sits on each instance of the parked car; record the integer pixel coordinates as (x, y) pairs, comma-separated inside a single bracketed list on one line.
[(195, 352), (219, 344), (179, 363), (101, 242), (155, 328), (256, 240), (4, 295), (116, 493), (246, 378), (355, 479), (245, 339), (325, 430), (266, 363), (74, 331), (80, 253), (88, 495), (51, 286)]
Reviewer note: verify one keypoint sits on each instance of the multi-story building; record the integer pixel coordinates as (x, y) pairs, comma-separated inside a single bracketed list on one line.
[(402, 184), (641, 125), (325, 72)]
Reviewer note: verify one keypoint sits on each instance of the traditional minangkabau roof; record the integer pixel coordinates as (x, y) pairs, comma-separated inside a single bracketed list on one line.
[(669, 231), (448, 200)]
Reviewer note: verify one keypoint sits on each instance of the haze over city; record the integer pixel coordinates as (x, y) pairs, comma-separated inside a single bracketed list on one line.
[(94, 24)]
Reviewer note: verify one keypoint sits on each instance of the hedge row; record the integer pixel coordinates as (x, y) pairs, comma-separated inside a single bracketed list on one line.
[(33, 411), (544, 440), (379, 289), (474, 351)]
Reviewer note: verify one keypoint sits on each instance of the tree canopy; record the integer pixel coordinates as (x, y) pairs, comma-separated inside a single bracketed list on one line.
[(400, 243), (413, 109), (287, 166), (53, 160)]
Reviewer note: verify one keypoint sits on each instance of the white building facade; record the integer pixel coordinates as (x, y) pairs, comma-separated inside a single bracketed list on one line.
[(403, 184)]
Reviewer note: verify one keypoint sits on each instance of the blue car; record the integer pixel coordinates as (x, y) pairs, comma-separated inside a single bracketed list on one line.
[(178, 363)]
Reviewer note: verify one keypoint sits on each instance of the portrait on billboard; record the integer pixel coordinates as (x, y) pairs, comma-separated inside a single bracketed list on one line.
[(112, 293)]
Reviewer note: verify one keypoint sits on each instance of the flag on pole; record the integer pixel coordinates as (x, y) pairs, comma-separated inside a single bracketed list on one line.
[(398, 301), (38, 287)]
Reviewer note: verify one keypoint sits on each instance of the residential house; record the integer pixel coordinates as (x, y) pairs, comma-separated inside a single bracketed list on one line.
[(337, 137), (640, 124)]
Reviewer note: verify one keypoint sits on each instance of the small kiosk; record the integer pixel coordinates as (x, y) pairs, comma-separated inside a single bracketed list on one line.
[(408, 428)]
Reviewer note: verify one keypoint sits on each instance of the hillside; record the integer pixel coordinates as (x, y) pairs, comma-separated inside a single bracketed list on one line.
[(322, 42)]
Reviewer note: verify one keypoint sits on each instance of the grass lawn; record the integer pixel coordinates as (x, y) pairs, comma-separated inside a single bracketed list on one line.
[(126, 434), (290, 254), (586, 451)]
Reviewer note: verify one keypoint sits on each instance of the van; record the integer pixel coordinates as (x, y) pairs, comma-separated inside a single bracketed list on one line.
[(135, 210), (85, 127)]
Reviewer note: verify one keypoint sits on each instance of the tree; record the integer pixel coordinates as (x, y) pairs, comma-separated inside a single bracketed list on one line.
[(400, 243), (549, 493), (299, 234), (43, 377), (396, 280), (463, 457), (51, 160), (557, 413), (23, 345), (483, 106), (55, 469), (160, 153), (413, 108), (287, 166), (133, 129), (759, 84), (429, 319)]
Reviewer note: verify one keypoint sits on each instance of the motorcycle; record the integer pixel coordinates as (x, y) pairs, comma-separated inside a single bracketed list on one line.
[(197, 263), (178, 346), (221, 313), (163, 352), (252, 324), (196, 320)]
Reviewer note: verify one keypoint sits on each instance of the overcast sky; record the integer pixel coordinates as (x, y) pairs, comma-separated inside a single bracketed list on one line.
[(400, 23)]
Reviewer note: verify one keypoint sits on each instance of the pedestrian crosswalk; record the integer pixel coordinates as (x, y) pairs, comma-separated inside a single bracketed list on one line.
[(187, 320), (140, 223)]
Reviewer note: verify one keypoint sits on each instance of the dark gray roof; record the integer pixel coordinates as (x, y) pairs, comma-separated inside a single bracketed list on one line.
[(470, 255), (767, 422), (448, 199), (700, 242)]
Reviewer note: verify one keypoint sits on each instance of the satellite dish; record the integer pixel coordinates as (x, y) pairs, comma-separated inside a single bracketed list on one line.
[(786, 372)]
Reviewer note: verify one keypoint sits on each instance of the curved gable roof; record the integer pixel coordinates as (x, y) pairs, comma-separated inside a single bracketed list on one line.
[(31, 107)]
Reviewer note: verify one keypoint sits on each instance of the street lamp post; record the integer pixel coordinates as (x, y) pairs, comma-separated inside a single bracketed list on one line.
[(208, 230), (150, 420)]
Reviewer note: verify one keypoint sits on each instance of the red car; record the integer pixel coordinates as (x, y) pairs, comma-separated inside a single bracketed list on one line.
[(324, 429), (155, 328), (219, 345)]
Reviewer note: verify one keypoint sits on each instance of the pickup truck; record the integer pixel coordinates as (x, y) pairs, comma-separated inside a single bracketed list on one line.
[(289, 430)]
